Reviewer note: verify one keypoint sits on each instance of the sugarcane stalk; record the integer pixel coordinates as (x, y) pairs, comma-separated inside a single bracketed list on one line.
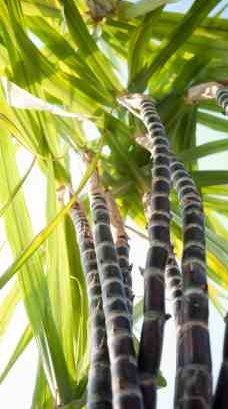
[(99, 395), (122, 248), (220, 400), (173, 279), (154, 318), (194, 378), (222, 99), (217, 91), (125, 383)]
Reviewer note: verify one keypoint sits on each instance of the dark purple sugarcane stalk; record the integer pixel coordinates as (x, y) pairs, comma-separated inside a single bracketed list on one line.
[(194, 378), (222, 99), (173, 279), (220, 400), (99, 395), (125, 382), (122, 248), (151, 341), (158, 228)]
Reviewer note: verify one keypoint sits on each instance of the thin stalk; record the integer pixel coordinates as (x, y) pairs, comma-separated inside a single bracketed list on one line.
[(194, 378), (99, 394), (174, 282), (151, 341), (125, 383), (173, 279), (221, 393), (122, 249)]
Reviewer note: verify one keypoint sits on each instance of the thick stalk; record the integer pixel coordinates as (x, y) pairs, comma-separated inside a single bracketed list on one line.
[(221, 394), (194, 379), (122, 249), (125, 384), (99, 394), (222, 99)]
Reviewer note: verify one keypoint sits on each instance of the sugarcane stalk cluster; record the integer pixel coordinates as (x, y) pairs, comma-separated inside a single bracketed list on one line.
[(118, 378)]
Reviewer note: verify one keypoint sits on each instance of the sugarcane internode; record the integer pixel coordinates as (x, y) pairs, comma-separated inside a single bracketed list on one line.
[(125, 382), (122, 249), (174, 282), (194, 378)]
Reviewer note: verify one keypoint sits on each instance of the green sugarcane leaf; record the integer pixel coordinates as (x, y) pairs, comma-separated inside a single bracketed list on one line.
[(212, 121), (61, 48), (210, 177), (216, 224), (216, 203), (203, 150), (40, 7), (128, 10), (4, 208), (43, 235), (92, 55), (8, 306), (138, 43), (79, 299), (42, 397), (22, 344), (29, 67), (181, 33), (33, 286), (138, 311), (66, 285)]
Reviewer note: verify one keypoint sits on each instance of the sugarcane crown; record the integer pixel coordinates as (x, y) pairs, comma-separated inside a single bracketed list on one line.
[(133, 101)]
